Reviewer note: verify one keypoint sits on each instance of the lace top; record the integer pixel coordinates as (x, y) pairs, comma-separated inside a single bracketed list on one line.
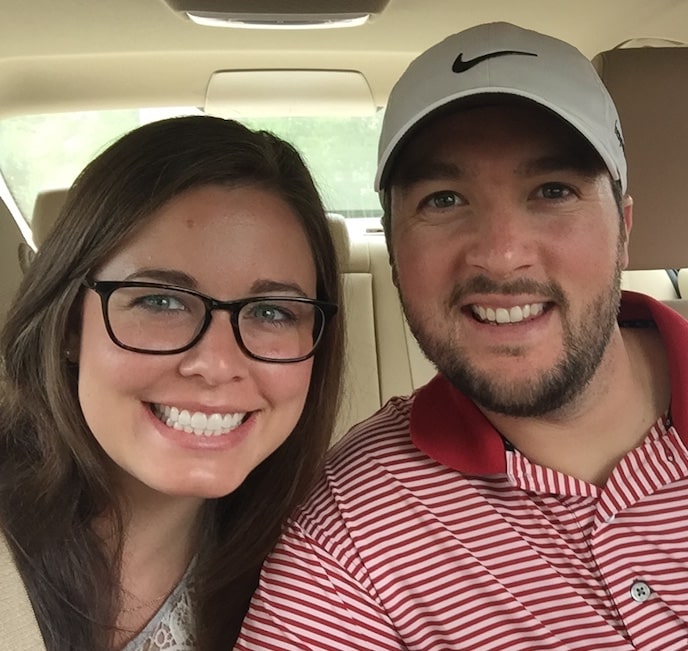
[(173, 627)]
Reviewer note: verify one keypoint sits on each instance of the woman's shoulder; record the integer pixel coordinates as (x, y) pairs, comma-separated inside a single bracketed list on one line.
[(18, 625)]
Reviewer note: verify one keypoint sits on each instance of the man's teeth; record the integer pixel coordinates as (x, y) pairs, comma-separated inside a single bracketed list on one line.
[(512, 315), (197, 422)]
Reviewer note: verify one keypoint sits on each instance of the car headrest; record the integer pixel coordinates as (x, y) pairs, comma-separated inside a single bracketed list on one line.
[(340, 235), (649, 87), (46, 209)]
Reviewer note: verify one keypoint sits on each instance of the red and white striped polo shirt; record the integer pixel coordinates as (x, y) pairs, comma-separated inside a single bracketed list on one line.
[(428, 534)]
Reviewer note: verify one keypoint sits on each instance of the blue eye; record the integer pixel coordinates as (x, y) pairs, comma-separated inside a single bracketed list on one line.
[(150, 303), (159, 302), (269, 313)]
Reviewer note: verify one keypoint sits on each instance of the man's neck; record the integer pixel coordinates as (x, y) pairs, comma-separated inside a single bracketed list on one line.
[(586, 439)]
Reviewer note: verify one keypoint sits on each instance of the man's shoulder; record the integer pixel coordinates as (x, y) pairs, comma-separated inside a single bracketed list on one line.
[(363, 460), (387, 427)]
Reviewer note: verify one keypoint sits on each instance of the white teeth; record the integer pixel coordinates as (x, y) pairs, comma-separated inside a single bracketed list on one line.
[(184, 418), (502, 315), (198, 423), (515, 314), (198, 420), (215, 421)]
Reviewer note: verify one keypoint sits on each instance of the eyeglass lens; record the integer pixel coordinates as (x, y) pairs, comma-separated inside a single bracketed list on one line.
[(158, 320)]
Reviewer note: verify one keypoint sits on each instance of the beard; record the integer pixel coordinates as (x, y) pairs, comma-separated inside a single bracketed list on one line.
[(584, 345)]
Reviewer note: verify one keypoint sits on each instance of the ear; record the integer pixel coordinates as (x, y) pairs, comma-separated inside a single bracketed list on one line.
[(72, 347), (395, 275), (627, 221), (72, 336)]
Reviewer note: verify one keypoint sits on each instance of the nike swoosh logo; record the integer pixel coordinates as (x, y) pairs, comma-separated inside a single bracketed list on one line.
[(461, 66)]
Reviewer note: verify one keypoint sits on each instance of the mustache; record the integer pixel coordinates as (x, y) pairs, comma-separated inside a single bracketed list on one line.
[(482, 284)]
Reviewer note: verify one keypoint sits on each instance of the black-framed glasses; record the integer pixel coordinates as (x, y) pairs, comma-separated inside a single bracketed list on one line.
[(160, 319)]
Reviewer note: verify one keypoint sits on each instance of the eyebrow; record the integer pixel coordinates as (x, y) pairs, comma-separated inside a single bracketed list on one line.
[(167, 276), (181, 279), (266, 286), (427, 170)]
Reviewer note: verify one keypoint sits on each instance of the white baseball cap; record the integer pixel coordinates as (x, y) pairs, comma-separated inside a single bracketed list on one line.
[(504, 59)]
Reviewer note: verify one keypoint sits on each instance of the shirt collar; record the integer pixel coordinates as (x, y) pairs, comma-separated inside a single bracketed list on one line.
[(448, 427)]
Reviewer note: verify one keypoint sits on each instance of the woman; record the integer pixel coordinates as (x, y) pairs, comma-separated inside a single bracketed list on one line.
[(152, 438)]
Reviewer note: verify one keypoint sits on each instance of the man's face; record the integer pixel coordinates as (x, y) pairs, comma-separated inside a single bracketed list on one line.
[(507, 251)]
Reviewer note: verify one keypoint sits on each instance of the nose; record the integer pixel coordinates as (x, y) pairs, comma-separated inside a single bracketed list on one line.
[(217, 357), (501, 243)]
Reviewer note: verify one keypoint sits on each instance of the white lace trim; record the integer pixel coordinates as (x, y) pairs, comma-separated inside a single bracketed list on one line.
[(172, 628)]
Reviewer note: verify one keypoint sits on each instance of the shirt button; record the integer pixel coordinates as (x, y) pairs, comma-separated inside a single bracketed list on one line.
[(611, 519), (640, 591)]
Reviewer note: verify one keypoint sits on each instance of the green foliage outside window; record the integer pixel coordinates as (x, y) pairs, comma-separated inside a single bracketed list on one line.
[(40, 152)]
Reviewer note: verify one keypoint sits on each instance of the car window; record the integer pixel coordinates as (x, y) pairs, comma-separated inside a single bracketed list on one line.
[(47, 151)]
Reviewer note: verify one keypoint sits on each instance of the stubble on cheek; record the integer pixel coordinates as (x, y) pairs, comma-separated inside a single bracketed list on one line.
[(583, 344)]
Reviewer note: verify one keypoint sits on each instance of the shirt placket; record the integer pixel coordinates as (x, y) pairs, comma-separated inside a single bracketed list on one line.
[(622, 522)]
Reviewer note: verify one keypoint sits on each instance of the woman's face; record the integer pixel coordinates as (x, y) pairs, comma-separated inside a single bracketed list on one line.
[(229, 243)]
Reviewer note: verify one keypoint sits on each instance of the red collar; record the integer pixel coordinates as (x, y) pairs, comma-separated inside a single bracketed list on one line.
[(448, 427)]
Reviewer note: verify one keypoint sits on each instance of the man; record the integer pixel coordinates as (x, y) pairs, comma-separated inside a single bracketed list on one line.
[(534, 495)]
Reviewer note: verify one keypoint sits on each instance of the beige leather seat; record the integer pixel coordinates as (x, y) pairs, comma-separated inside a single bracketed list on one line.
[(384, 360)]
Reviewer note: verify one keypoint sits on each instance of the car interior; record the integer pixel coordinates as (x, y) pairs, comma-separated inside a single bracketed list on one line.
[(74, 75)]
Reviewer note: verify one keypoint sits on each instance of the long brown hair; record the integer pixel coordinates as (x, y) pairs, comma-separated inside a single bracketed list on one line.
[(54, 478)]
